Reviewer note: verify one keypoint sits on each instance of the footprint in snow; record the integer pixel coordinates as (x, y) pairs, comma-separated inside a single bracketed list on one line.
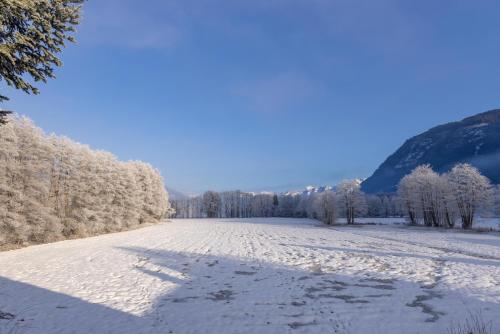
[(245, 273), (221, 295), (211, 264), (6, 316)]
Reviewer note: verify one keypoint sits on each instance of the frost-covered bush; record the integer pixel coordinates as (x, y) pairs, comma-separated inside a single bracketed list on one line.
[(53, 188)]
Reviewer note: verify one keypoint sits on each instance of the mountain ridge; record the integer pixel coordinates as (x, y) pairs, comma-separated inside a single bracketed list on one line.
[(474, 139)]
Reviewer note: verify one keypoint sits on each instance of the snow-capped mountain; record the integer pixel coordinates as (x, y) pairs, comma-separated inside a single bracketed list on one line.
[(309, 190), (475, 140)]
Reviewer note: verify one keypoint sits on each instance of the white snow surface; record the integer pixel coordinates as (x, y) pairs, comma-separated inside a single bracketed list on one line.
[(253, 276)]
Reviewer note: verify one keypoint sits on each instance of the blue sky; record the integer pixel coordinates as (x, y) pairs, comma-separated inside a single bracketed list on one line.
[(268, 94)]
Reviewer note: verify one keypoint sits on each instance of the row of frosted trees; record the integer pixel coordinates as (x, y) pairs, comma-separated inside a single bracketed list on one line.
[(442, 200), (227, 204), (52, 188), (347, 201), (424, 196)]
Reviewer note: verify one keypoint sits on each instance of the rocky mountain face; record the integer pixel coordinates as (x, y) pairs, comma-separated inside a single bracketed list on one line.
[(474, 140)]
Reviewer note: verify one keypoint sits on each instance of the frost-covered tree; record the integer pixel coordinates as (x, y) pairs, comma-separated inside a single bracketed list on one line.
[(425, 195), (407, 192), (351, 199), (383, 205), (211, 204), (471, 191), (428, 187), (34, 153), (496, 200), (439, 199), (12, 223), (52, 188), (325, 207), (303, 206), (449, 209), (288, 204), (262, 205)]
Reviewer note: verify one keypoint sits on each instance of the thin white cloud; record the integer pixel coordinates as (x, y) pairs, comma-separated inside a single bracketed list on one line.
[(277, 93), (130, 23), (384, 24)]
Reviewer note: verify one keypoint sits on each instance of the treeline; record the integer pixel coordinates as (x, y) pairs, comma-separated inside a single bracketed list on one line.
[(346, 201), (423, 196), (441, 200), (52, 188)]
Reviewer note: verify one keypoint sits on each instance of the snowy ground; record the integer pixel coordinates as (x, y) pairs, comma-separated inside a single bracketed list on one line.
[(483, 224), (253, 276)]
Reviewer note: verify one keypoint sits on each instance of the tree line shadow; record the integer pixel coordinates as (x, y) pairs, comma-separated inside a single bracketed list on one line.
[(216, 294)]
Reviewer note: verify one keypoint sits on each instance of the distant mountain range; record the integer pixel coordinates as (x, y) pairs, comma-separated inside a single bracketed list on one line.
[(309, 190), (474, 140)]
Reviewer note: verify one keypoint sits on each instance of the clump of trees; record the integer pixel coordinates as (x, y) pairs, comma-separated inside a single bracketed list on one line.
[(423, 196), (326, 205), (383, 205), (52, 188), (440, 200)]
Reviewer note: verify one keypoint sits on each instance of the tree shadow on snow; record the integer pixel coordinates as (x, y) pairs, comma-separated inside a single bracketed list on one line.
[(216, 292), (32, 309), (213, 294)]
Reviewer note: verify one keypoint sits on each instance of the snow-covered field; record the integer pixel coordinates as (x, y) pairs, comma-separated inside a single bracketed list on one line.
[(484, 224), (253, 276)]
